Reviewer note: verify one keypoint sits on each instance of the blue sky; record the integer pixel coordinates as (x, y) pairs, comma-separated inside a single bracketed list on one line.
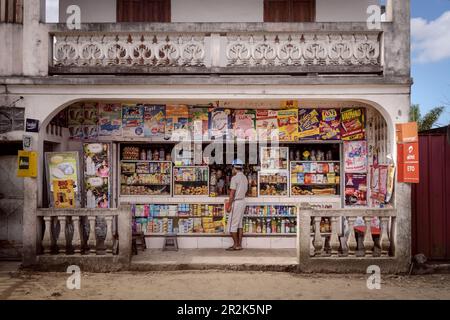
[(431, 55)]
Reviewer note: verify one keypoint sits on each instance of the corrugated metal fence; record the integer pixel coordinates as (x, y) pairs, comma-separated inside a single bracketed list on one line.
[(11, 11), (431, 198)]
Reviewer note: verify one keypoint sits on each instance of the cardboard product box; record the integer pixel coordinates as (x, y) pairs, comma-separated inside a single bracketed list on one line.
[(407, 152), (406, 132), (408, 172)]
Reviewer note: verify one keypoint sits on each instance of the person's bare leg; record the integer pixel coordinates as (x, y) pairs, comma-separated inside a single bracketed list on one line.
[(240, 235), (235, 237)]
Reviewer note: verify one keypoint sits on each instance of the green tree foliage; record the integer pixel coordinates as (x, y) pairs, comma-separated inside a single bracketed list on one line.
[(427, 121)]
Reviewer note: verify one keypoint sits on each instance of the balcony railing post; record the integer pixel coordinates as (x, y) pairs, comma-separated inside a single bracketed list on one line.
[(61, 241), (334, 239), (92, 243), (76, 240), (368, 240), (47, 239), (318, 242), (351, 242), (109, 235), (385, 243)]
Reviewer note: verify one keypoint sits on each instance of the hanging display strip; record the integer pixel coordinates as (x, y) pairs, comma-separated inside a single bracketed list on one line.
[(97, 175), (176, 122)]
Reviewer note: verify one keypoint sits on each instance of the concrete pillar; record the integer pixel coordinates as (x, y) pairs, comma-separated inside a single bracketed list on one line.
[(29, 234), (35, 40), (397, 39), (124, 232)]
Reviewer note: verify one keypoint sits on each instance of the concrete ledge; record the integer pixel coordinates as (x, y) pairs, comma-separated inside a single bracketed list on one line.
[(353, 265), (212, 266), (88, 263)]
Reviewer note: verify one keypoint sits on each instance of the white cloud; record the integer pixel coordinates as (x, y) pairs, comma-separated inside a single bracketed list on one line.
[(431, 39)]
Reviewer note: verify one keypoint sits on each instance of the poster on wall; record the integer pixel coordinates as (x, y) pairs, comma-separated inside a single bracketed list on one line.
[(62, 166), (379, 182), (132, 121), (109, 120), (267, 124), (200, 124), (219, 123), (155, 121), (308, 124), (355, 189), (244, 124), (355, 156), (96, 158), (177, 122), (288, 125), (90, 114), (75, 116), (353, 124), (64, 194), (330, 124)]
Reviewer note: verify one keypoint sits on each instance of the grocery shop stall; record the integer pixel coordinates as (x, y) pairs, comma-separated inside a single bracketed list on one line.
[(169, 164)]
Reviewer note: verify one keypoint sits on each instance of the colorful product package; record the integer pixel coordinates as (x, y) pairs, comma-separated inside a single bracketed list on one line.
[(309, 124), (155, 121), (96, 175), (244, 124), (288, 125), (353, 124), (219, 123), (199, 116), (133, 120), (75, 115), (355, 156), (90, 114), (355, 189), (267, 124), (330, 124), (109, 120), (177, 122)]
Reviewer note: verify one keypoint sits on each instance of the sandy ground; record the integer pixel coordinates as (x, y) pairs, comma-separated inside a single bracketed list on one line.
[(219, 285)]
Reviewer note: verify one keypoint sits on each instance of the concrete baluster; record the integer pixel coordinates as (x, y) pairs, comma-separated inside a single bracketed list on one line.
[(351, 242), (76, 240), (368, 240), (47, 239), (334, 239), (92, 243), (385, 243), (109, 235), (61, 241), (318, 242)]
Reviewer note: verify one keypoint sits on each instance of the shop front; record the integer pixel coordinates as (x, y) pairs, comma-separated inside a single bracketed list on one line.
[(170, 165)]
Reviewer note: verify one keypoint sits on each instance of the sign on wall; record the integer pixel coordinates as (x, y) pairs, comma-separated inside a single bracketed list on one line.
[(27, 164)]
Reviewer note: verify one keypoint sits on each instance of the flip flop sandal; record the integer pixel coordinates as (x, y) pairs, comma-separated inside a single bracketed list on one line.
[(231, 249), (239, 249)]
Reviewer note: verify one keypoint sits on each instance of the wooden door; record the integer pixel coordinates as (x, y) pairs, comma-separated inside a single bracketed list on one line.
[(289, 10), (143, 11)]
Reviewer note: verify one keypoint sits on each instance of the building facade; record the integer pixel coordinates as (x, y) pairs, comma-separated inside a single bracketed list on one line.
[(250, 54)]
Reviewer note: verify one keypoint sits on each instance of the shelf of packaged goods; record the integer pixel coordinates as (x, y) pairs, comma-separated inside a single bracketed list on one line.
[(149, 173), (154, 161), (276, 183), (287, 235), (271, 216), (179, 217), (145, 184), (197, 182), (318, 161), (176, 199), (314, 184)]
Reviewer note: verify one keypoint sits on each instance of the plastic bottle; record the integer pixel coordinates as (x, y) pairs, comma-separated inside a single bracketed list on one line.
[(283, 226)]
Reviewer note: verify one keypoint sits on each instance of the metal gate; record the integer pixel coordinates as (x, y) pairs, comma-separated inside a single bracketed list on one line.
[(11, 207), (431, 197)]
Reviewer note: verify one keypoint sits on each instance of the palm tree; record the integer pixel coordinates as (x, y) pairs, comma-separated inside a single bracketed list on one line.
[(427, 121)]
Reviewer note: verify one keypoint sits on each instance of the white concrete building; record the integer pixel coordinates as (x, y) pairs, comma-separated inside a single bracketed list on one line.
[(258, 53)]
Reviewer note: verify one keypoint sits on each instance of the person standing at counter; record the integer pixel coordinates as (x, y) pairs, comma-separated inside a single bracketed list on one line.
[(236, 204)]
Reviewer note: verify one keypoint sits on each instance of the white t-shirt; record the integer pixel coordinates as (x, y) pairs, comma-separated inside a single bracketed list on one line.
[(239, 183)]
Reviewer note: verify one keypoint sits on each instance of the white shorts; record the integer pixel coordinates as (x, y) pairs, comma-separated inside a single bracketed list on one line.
[(236, 217)]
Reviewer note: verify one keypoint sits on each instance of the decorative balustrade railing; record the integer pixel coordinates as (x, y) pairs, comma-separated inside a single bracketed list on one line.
[(243, 52), (345, 239), (80, 231)]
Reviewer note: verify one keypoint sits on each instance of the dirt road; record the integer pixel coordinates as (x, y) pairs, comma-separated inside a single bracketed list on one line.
[(219, 285)]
